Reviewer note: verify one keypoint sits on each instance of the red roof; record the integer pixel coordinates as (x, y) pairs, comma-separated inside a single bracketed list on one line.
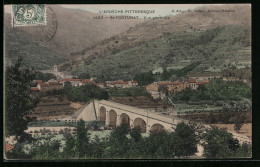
[(203, 82), (169, 83), (8, 147), (70, 79), (54, 83), (192, 80), (88, 81), (34, 89), (134, 81), (99, 83)]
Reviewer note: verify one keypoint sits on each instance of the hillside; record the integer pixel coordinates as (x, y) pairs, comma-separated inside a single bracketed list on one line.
[(156, 29), (212, 47), (76, 30), (53, 107), (34, 55)]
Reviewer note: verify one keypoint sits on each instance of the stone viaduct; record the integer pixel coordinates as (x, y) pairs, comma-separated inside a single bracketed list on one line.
[(115, 114)]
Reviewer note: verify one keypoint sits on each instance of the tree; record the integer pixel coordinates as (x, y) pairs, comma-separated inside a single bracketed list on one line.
[(18, 102), (188, 141), (69, 150), (82, 139), (117, 145), (135, 133), (220, 144)]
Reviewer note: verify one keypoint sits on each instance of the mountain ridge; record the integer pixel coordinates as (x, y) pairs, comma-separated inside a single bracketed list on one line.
[(155, 29)]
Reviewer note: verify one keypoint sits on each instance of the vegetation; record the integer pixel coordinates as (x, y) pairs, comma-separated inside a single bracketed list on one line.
[(44, 76), (84, 93), (211, 47), (215, 91), (163, 144), (145, 78), (18, 102), (122, 92), (38, 57), (220, 144), (179, 72)]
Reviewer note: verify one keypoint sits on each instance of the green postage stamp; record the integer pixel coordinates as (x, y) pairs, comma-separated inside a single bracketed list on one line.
[(28, 15)]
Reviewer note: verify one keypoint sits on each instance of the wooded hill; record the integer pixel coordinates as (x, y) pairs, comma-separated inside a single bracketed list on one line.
[(151, 30), (213, 48), (76, 30)]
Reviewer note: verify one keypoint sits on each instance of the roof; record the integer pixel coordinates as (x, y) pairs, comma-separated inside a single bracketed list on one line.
[(34, 89), (169, 83), (99, 83), (69, 79), (87, 81), (54, 83), (134, 81), (192, 80), (8, 147)]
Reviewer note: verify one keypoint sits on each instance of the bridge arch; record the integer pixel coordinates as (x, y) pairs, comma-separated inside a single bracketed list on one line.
[(112, 118), (157, 128), (102, 114), (124, 119), (141, 123)]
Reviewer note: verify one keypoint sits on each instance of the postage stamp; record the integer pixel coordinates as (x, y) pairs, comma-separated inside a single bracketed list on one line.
[(28, 15)]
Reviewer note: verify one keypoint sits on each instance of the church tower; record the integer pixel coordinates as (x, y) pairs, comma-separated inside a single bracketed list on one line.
[(55, 68)]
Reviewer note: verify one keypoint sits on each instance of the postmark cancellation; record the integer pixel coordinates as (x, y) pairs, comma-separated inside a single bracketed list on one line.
[(28, 15)]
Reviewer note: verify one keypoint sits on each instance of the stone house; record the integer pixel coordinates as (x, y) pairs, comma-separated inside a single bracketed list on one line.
[(194, 84), (174, 87)]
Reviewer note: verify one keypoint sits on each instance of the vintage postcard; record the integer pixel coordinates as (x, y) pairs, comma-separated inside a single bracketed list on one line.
[(132, 81)]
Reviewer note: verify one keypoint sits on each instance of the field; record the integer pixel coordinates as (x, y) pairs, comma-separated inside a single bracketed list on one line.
[(188, 108), (246, 129)]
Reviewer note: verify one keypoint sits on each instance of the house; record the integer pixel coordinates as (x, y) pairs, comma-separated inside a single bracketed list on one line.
[(87, 82), (101, 85), (73, 81), (77, 82), (194, 84), (47, 86), (34, 89), (174, 87), (153, 87), (8, 147), (205, 76), (156, 88), (124, 84)]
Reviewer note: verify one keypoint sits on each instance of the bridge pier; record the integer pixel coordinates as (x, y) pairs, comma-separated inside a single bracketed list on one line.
[(118, 120), (107, 123)]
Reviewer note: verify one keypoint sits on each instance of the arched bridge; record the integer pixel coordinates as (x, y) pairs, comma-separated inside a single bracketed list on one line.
[(115, 114)]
